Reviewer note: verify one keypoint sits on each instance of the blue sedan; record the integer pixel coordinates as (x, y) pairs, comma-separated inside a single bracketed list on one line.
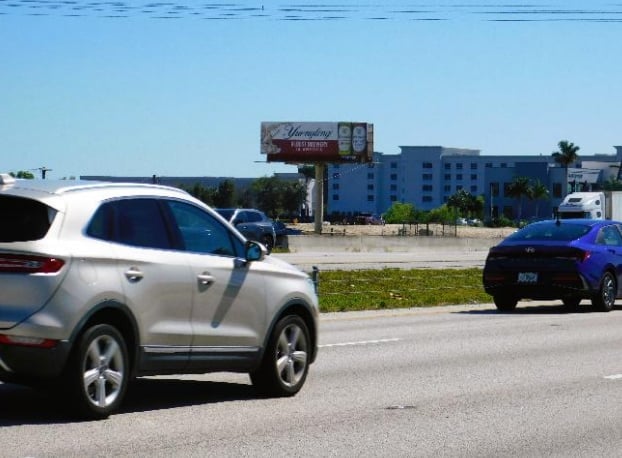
[(567, 260)]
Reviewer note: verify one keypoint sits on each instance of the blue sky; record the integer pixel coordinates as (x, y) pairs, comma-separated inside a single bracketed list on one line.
[(180, 88)]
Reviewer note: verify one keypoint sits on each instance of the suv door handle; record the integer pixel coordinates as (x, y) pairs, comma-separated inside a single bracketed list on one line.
[(134, 274), (205, 279)]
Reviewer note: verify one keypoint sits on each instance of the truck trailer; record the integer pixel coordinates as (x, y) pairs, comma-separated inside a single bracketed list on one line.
[(592, 205)]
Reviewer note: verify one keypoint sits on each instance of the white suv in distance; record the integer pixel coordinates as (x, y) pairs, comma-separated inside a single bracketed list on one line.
[(104, 282)]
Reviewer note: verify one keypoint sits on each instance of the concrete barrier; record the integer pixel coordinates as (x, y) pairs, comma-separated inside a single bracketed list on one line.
[(386, 244)]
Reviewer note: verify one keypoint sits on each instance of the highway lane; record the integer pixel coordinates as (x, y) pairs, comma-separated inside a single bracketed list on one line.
[(450, 381)]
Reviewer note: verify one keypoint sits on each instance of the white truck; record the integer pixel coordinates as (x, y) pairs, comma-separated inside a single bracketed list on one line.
[(592, 205)]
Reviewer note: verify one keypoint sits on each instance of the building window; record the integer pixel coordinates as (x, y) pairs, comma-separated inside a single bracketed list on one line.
[(459, 166), (474, 189), (370, 176), (473, 165), (459, 187), (393, 176), (335, 196), (489, 165), (494, 189), (427, 165), (370, 198), (427, 176), (473, 177), (393, 187), (335, 186), (447, 188), (370, 187), (393, 198), (426, 199), (557, 189), (426, 187), (370, 165), (503, 165), (447, 166), (393, 165), (459, 176), (448, 176)]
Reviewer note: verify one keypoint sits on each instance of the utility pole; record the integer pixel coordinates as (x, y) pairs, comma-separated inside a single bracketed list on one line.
[(43, 171)]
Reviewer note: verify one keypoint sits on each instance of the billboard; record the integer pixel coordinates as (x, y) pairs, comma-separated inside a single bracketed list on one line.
[(304, 142)]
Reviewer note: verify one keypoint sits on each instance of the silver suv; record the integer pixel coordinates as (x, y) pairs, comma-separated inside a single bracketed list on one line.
[(104, 282)]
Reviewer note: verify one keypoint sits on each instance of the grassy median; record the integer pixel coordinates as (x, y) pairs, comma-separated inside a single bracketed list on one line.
[(342, 291)]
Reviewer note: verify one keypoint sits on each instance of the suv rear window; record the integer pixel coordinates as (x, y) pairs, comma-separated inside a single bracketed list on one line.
[(24, 219)]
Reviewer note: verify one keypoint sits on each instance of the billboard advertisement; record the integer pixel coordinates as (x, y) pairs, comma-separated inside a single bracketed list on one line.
[(305, 142)]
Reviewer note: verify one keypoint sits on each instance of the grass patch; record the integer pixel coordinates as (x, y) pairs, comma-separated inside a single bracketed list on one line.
[(342, 291)]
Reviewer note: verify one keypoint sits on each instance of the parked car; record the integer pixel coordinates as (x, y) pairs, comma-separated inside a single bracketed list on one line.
[(104, 282), (568, 260), (253, 224), (283, 229)]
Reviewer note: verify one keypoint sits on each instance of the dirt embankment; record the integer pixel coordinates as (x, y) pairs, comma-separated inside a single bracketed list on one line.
[(400, 229)]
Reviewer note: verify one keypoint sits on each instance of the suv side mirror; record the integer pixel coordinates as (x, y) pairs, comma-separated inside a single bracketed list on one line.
[(254, 251)]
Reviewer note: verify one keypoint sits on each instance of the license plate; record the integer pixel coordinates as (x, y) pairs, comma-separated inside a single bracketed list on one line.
[(528, 277)]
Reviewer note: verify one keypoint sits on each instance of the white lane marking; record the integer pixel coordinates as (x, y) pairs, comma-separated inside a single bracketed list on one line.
[(613, 377), (360, 342)]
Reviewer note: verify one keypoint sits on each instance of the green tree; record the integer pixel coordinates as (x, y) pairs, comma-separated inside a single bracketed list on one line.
[(23, 174), (442, 214), (538, 191), (224, 196), (399, 213), (566, 156), (518, 189), (277, 197), (294, 195), (267, 194), (612, 184), (202, 193), (464, 203)]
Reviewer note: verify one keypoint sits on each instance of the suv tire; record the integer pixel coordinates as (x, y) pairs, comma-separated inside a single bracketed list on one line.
[(98, 372), (285, 363)]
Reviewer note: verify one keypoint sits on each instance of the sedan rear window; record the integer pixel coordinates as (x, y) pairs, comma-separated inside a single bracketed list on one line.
[(560, 232), (24, 219)]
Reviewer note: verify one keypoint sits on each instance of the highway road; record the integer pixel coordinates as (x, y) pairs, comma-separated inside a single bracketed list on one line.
[(459, 381)]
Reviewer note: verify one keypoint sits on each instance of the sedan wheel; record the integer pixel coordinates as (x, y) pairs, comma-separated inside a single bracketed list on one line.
[(605, 299), (268, 242), (505, 303), (98, 372), (286, 360)]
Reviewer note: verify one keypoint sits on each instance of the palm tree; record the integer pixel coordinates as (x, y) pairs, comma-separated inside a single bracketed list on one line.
[(566, 155), (518, 189), (538, 191)]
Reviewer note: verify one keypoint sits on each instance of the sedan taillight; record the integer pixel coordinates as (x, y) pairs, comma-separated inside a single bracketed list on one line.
[(25, 264)]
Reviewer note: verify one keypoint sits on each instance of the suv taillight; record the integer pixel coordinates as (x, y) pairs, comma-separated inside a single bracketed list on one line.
[(25, 264), (27, 341)]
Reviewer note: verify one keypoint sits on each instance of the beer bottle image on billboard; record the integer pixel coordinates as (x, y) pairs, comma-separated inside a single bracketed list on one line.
[(344, 133), (359, 138)]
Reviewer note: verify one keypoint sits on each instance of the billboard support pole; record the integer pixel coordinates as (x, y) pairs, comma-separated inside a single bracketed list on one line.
[(318, 197)]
